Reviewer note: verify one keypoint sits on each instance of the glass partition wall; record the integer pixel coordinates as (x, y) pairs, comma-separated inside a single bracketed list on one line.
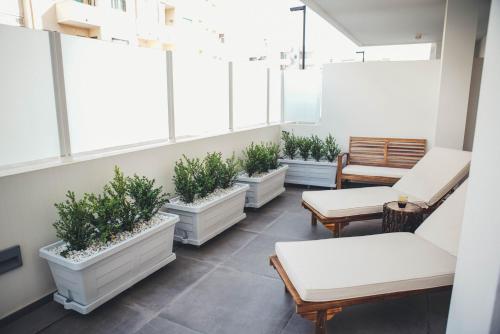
[(81, 95)]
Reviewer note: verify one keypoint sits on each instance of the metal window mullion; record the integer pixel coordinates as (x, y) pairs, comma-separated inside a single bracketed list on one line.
[(60, 93), (231, 118), (170, 96), (268, 97), (282, 75)]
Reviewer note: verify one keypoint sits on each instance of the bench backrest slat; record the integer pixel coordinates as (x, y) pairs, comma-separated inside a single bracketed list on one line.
[(386, 152)]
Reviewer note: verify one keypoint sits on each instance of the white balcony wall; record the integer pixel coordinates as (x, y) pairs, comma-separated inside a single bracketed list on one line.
[(201, 95), (275, 96), (302, 89), (249, 94), (28, 123), (116, 95), (381, 99)]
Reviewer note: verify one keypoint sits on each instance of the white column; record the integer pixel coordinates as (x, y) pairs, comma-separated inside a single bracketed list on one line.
[(475, 302), (457, 53)]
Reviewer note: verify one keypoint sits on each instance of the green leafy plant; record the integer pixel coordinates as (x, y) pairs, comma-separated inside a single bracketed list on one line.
[(331, 149), (147, 198), (106, 210), (255, 159), (229, 172), (317, 146), (290, 145), (75, 223), (273, 154), (213, 164), (304, 144), (185, 181)]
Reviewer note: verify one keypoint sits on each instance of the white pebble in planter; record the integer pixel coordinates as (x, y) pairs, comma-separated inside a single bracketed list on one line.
[(204, 219), (264, 188), (85, 283)]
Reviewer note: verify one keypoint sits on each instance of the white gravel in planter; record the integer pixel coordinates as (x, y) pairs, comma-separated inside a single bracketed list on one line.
[(78, 256), (199, 202), (258, 175)]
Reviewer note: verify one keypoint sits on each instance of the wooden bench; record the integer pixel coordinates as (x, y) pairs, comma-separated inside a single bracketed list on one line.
[(379, 160)]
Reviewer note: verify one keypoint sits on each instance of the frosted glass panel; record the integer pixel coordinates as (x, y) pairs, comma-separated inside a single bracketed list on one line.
[(116, 95), (275, 96), (201, 95), (28, 122), (249, 94), (302, 95)]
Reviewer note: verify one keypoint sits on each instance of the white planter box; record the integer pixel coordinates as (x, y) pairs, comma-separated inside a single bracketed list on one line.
[(83, 286), (265, 188), (310, 172), (198, 224)]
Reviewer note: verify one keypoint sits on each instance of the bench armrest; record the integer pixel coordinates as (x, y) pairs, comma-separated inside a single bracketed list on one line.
[(340, 165)]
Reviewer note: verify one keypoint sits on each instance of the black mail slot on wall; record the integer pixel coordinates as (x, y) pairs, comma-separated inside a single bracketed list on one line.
[(10, 259)]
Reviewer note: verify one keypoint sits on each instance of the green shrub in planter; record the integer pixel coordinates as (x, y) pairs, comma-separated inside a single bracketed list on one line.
[(290, 145), (317, 148), (331, 149), (75, 224), (273, 154), (185, 182), (304, 145), (125, 202), (229, 172), (199, 178)]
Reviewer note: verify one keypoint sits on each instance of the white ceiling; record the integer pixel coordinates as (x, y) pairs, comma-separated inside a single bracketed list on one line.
[(386, 22)]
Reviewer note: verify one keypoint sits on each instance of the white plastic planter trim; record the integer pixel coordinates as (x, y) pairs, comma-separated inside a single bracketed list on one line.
[(85, 285), (264, 188), (310, 172), (199, 224)]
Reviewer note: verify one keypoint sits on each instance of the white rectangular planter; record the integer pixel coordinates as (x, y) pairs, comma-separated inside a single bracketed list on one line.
[(310, 172), (265, 188), (199, 224), (83, 286)]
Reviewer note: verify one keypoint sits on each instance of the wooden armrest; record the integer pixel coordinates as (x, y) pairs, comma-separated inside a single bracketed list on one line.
[(340, 165)]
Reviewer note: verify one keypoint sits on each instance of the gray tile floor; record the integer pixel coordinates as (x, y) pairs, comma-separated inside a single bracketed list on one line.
[(227, 286)]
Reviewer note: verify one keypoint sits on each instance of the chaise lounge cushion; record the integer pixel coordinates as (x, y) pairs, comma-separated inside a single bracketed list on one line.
[(435, 174), (336, 269), (441, 228), (351, 202), (374, 171)]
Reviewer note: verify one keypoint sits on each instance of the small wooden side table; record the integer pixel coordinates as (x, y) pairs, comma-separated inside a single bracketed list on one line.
[(396, 219)]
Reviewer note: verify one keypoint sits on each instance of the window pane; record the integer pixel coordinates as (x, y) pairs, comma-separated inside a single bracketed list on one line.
[(28, 122), (302, 95), (201, 95), (116, 95), (249, 94), (275, 96)]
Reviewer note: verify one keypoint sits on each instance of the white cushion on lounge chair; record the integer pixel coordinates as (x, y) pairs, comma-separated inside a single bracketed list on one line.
[(351, 202), (375, 171), (435, 174), (441, 228), (335, 269)]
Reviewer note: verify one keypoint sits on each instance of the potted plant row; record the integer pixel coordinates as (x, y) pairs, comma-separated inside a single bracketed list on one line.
[(263, 173), (109, 241), (311, 160), (208, 199)]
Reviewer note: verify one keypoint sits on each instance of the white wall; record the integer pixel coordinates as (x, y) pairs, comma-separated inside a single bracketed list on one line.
[(475, 302), (384, 99), (459, 39), (27, 203)]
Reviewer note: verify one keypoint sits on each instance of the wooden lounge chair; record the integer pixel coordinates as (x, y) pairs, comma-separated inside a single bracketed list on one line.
[(371, 268), (426, 184)]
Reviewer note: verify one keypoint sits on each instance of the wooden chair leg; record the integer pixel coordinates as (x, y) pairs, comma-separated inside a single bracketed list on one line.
[(320, 322), (314, 220)]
